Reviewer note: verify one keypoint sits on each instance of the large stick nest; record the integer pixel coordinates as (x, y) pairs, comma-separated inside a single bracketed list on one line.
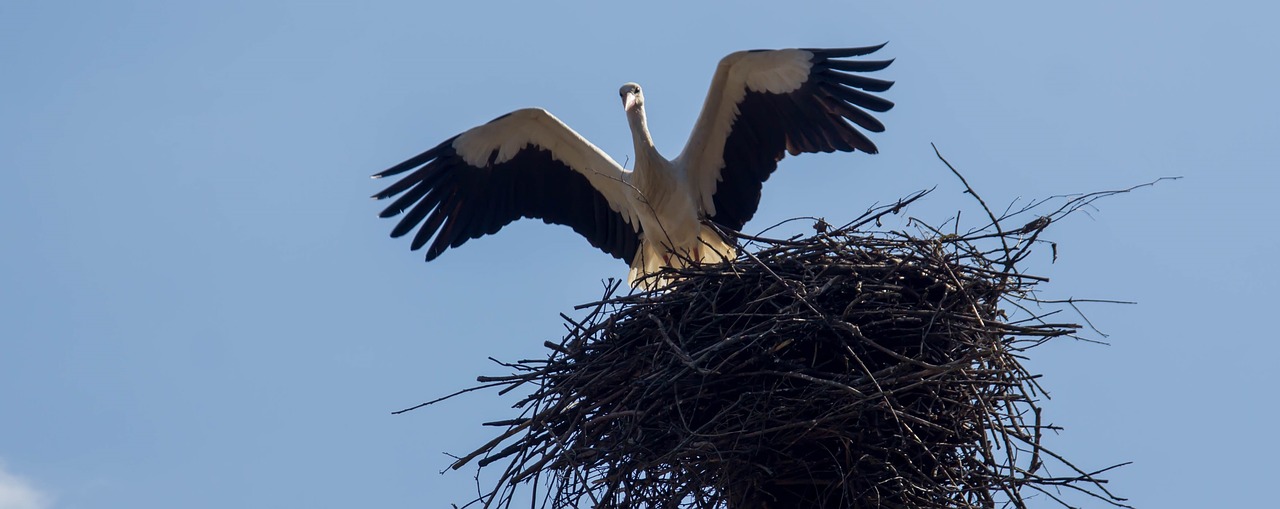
[(844, 369)]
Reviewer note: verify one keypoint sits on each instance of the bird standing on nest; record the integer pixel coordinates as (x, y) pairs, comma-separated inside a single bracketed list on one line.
[(762, 105)]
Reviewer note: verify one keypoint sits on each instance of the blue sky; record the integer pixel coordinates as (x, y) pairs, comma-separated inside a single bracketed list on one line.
[(199, 307)]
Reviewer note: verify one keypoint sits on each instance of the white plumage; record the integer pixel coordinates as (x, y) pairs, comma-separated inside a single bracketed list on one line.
[(761, 105)]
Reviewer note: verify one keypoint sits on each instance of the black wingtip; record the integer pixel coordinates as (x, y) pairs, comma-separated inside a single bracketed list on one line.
[(845, 52), (856, 65), (384, 194), (837, 73), (434, 251), (401, 228), (415, 161), (390, 212)]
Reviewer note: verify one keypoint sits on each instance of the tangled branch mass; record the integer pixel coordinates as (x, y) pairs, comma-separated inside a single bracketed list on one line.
[(844, 369)]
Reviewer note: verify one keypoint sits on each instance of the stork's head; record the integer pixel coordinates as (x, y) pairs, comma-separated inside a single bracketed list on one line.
[(632, 99)]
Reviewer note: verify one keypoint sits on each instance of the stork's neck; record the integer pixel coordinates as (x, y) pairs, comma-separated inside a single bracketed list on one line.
[(646, 153)]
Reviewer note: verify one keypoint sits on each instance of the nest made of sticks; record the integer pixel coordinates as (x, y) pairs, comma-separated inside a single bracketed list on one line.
[(845, 369)]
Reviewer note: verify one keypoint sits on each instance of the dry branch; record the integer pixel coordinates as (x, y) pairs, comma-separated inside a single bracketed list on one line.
[(843, 369)]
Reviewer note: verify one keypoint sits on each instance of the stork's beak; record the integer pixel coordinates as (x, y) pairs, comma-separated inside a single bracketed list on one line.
[(629, 101)]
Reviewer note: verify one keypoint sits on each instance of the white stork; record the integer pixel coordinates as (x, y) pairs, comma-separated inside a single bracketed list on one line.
[(527, 163)]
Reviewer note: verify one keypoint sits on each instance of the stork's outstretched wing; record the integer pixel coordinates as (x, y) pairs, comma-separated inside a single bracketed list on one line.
[(524, 164), (766, 103)]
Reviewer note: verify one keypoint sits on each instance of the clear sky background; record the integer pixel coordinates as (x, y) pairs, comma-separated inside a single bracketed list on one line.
[(199, 307)]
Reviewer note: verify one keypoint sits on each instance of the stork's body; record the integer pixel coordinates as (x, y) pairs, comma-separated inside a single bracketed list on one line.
[(761, 105), (668, 209)]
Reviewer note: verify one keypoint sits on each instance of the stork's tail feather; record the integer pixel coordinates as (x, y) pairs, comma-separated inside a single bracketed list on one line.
[(652, 257)]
